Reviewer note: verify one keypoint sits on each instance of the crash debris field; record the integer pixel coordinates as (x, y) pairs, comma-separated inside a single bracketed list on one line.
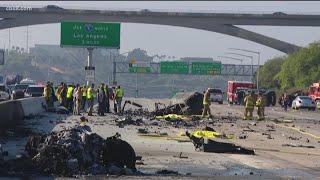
[(144, 144)]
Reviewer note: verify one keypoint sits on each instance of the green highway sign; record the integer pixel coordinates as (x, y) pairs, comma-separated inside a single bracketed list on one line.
[(174, 67), (88, 34), (139, 69), (206, 68)]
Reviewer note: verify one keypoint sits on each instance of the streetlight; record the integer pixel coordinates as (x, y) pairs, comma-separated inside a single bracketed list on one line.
[(255, 52), (237, 59)]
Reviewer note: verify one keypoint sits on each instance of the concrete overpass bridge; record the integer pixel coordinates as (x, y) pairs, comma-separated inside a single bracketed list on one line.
[(215, 22)]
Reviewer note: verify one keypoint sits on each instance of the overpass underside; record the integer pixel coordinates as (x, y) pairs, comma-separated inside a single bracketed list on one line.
[(215, 23)]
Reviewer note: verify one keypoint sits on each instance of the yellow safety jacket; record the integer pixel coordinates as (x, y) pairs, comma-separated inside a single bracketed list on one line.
[(119, 93), (84, 91), (90, 93), (248, 100), (206, 99), (70, 92), (259, 102), (46, 92)]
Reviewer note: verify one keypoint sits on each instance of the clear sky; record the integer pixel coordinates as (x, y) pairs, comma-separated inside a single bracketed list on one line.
[(177, 41)]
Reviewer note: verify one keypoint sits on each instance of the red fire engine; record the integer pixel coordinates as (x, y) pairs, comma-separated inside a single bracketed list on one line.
[(233, 86), (314, 91)]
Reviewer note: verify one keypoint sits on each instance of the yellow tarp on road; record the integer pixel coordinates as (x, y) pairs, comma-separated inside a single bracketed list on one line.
[(206, 134)]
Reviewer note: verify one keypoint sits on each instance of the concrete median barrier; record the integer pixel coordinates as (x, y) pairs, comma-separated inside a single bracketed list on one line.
[(32, 106), (13, 112)]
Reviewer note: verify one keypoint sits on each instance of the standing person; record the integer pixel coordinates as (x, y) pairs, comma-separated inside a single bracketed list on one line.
[(70, 97), (249, 106), (90, 99), (84, 97), (206, 103), (260, 103), (52, 94), (47, 95), (119, 95), (58, 93), (107, 99), (114, 99), (75, 99), (64, 95), (285, 101), (101, 100), (78, 96)]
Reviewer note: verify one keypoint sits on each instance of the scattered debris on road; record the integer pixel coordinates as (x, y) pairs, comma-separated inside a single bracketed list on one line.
[(181, 156), (167, 172), (189, 104), (217, 146), (78, 151)]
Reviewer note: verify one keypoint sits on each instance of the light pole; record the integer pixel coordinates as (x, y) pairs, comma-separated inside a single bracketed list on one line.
[(27, 39), (237, 59), (255, 52)]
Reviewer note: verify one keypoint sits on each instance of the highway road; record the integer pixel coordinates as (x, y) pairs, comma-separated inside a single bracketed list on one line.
[(272, 159)]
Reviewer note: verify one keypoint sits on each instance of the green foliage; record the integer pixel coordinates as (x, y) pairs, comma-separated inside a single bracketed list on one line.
[(301, 68), (268, 72)]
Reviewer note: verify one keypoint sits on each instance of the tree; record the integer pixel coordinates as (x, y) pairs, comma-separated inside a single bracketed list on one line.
[(301, 68), (268, 72)]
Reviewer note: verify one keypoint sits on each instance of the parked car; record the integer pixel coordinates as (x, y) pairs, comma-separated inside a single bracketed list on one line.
[(19, 90), (28, 81), (216, 95), (34, 91), (4, 93), (303, 102)]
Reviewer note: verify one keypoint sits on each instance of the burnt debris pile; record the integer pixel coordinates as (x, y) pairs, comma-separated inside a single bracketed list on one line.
[(185, 104), (77, 151)]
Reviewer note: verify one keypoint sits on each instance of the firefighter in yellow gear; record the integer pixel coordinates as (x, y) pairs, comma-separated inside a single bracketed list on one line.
[(260, 103), (70, 90), (58, 93), (90, 99), (118, 98), (47, 96), (249, 106), (206, 104)]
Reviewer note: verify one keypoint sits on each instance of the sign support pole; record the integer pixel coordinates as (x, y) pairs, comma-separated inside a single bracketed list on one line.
[(90, 62)]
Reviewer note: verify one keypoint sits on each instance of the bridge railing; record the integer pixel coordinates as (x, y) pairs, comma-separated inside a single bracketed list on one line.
[(176, 9)]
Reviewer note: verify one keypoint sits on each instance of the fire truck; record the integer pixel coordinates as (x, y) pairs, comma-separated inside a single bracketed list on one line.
[(234, 86), (314, 92)]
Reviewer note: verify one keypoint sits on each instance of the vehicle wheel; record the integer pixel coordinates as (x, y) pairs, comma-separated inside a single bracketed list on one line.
[(220, 102)]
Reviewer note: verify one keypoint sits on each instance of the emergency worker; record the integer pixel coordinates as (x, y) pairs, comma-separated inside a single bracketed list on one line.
[(70, 97), (106, 89), (260, 103), (206, 104), (78, 99), (90, 99), (47, 96), (118, 97), (84, 97), (249, 106)]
